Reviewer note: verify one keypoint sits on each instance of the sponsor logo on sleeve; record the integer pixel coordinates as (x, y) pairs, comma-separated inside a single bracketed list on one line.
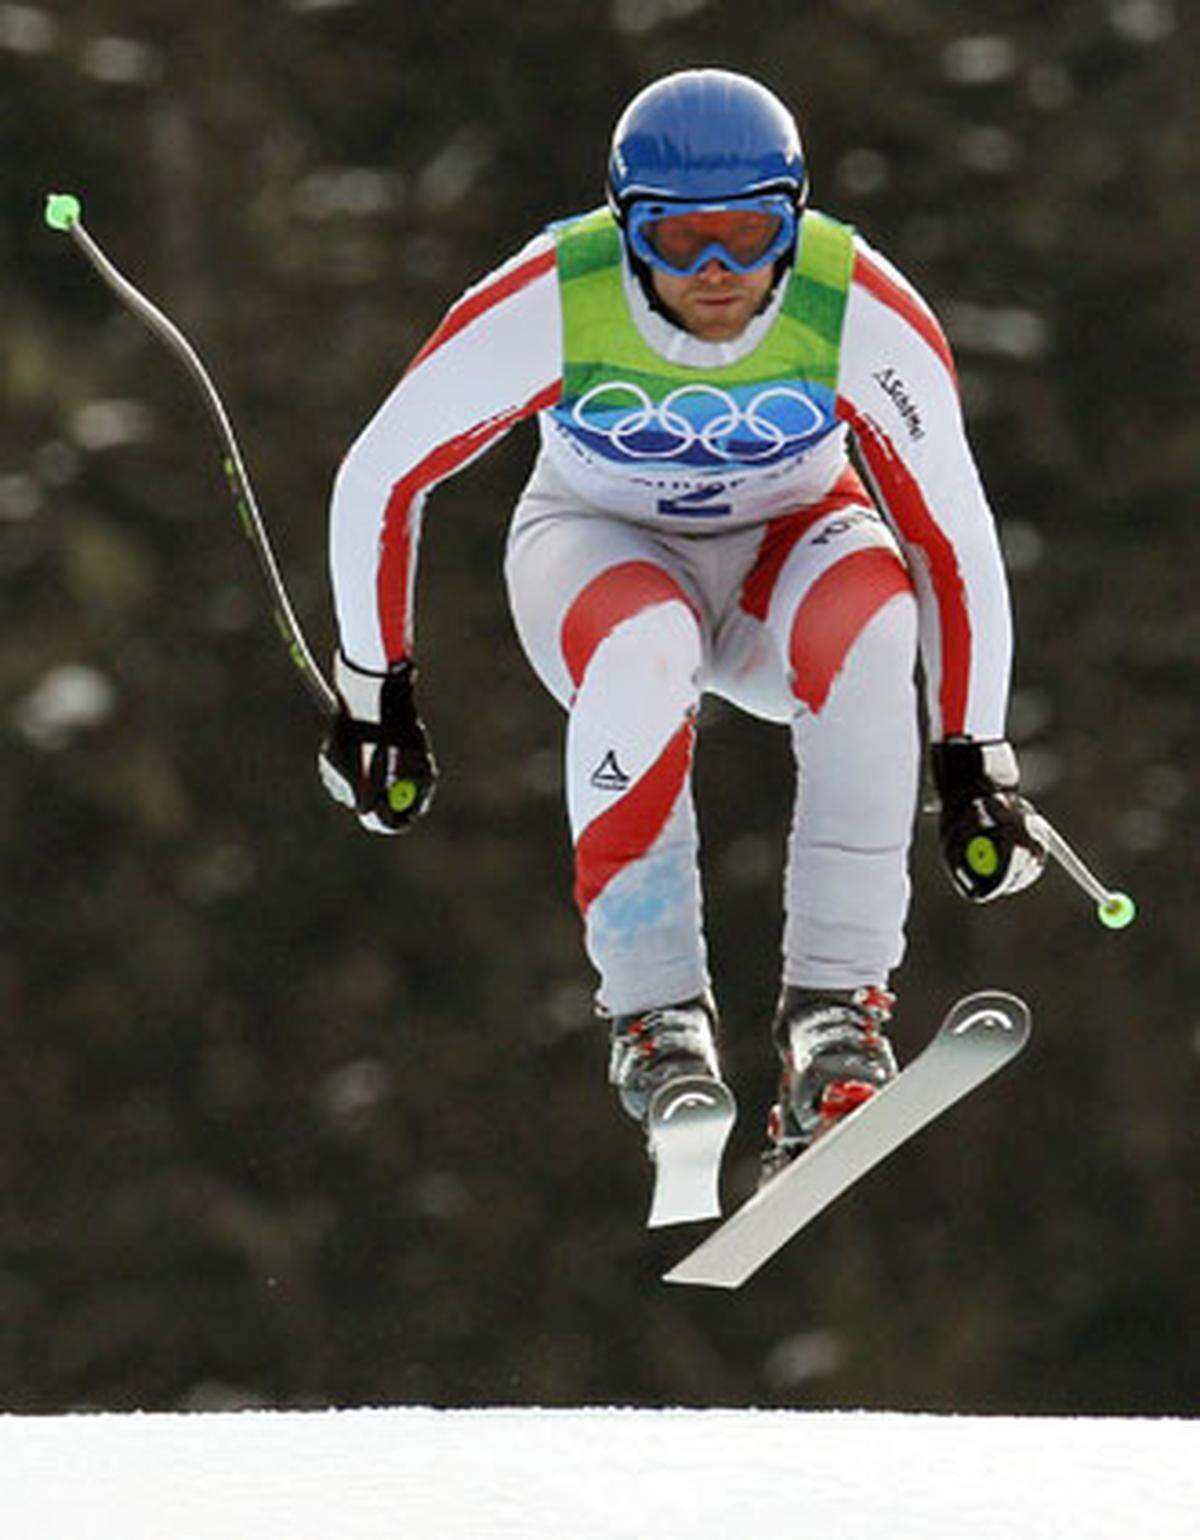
[(899, 395)]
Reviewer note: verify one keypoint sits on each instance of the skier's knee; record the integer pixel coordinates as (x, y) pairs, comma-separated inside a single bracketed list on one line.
[(633, 614), (863, 611)]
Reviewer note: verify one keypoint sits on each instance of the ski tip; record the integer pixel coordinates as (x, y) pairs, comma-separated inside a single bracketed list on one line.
[(689, 1123), (990, 1011)]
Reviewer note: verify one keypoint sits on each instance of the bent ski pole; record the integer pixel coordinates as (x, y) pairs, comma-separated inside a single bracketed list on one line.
[(1113, 909), (63, 213)]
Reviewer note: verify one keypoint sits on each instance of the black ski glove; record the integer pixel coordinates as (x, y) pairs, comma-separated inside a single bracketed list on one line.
[(376, 756), (986, 842)]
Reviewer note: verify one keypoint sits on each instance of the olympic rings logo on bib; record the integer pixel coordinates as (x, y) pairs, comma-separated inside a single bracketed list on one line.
[(697, 424)]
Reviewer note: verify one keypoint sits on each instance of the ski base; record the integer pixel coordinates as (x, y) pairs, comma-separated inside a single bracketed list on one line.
[(687, 1126), (981, 1033)]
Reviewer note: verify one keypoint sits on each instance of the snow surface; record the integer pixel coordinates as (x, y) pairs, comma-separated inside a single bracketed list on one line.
[(595, 1475)]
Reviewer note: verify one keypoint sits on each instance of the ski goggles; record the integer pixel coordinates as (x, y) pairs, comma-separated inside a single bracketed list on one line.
[(681, 238)]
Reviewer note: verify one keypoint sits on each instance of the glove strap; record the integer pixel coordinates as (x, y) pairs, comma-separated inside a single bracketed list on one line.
[(363, 692), (360, 690), (964, 769)]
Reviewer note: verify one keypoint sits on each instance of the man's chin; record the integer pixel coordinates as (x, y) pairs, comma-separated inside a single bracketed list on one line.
[(716, 323), (718, 328)]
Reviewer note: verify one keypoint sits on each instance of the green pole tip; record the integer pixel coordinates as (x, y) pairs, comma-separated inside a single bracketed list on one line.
[(62, 210), (1117, 911), (401, 795)]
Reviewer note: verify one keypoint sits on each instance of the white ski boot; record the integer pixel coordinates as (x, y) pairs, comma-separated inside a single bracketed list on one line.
[(835, 1057)]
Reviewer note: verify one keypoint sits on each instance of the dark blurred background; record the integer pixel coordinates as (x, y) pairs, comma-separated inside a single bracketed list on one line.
[(292, 1116)]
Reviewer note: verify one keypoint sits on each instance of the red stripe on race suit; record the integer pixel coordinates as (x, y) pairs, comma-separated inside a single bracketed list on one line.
[(617, 594), (904, 500), (834, 613), (626, 831), (891, 294), (397, 542), (783, 534), (472, 306)]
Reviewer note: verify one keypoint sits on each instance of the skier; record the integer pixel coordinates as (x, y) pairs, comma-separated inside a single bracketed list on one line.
[(701, 353)]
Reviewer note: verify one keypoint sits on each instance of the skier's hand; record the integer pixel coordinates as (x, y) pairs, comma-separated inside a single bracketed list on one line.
[(376, 756), (986, 843)]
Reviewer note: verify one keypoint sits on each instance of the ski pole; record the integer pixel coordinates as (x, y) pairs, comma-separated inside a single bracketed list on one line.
[(63, 212), (1114, 909)]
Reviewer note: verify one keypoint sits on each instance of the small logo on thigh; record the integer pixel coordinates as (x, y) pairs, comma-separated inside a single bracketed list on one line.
[(608, 775)]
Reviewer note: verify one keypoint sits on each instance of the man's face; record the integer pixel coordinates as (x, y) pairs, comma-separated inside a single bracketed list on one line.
[(715, 303)]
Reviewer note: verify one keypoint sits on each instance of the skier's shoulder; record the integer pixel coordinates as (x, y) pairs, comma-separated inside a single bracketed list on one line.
[(524, 266), (488, 307), (875, 270), (885, 301)]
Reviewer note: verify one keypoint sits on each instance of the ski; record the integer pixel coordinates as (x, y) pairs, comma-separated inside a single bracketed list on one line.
[(981, 1033), (687, 1125)]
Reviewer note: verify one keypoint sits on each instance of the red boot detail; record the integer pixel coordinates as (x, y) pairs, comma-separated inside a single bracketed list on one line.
[(842, 1097)]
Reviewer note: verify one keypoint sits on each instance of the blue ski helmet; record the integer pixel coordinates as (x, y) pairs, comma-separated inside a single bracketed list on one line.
[(705, 134)]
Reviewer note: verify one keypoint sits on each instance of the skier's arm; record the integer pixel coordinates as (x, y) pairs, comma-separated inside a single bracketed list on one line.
[(494, 360), (899, 393)]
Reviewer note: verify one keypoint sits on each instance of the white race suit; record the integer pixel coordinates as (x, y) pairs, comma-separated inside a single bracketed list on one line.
[(694, 524)]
